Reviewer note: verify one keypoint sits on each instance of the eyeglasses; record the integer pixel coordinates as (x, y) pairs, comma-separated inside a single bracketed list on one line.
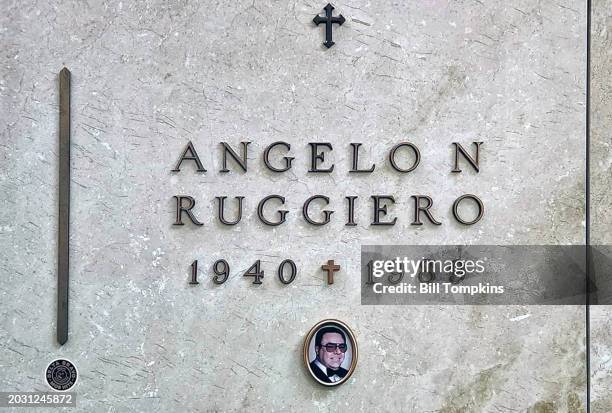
[(331, 347)]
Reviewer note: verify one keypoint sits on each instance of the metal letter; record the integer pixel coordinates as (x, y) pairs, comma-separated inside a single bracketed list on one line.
[(192, 157), (288, 159), (417, 154), (351, 211), (241, 162), (378, 209), (260, 210), (222, 208), (472, 161), (326, 213), (480, 209), (355, 167), (418, 208), (315, 156), (180, 208)]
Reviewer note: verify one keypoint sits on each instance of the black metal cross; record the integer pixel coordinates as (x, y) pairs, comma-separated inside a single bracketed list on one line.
[(328, 20)]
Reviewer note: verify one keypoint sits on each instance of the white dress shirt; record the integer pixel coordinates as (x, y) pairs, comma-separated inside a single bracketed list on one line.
[(333, 378)]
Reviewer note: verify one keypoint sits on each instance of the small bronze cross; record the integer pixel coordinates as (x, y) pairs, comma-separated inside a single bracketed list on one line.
[(330, 267)]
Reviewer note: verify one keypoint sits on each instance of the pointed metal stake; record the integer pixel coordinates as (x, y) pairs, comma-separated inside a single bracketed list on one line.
[(63, 240)]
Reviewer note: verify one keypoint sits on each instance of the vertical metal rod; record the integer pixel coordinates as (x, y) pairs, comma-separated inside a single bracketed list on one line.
[(64, 207), (588, 268)]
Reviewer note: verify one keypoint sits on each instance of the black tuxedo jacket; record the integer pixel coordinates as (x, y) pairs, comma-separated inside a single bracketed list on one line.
[(322, 376)]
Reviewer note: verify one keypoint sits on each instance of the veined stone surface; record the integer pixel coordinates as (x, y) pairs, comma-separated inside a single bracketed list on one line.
[(601, 202), (147, 77)]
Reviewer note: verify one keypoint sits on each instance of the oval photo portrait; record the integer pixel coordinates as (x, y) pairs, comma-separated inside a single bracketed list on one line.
[(330, 352)]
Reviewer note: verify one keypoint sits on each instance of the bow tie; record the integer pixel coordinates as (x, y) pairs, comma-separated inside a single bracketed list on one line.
[(331, 372)]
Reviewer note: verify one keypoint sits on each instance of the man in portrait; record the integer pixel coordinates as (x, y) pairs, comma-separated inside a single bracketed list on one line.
[(330, 348)]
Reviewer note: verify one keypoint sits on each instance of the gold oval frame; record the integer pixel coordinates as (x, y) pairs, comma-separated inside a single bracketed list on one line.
[(351, 337)]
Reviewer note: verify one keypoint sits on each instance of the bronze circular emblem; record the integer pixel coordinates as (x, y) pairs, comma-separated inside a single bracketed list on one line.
[(61, 374), (330, 352)]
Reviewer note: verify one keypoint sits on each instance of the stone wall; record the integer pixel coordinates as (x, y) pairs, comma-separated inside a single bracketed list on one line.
[(148, 77)]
